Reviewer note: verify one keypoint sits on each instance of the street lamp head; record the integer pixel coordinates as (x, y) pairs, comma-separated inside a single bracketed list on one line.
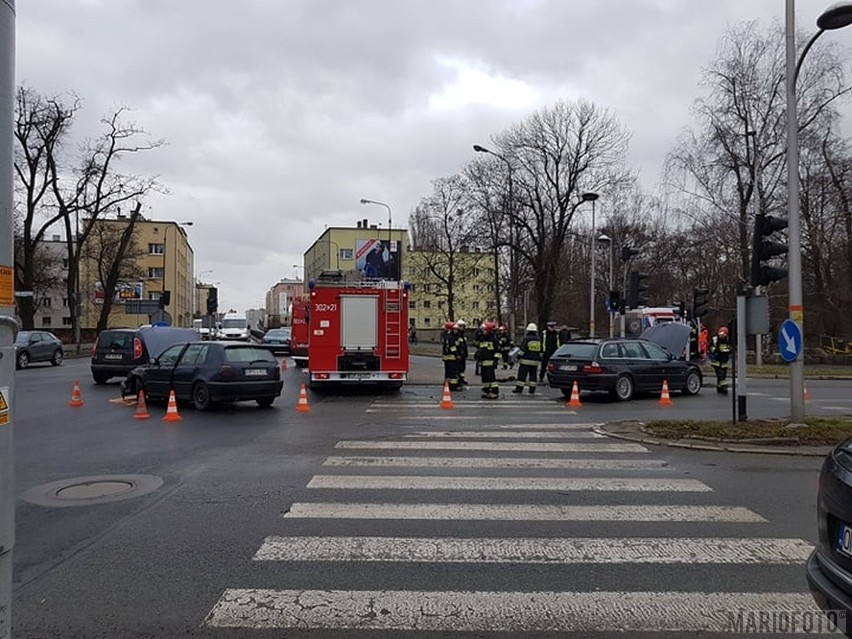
[(365, 200), (837, 16), (480, 149), (589, 196), (604, 238)]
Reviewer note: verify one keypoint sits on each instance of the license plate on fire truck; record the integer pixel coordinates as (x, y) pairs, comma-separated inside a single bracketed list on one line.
[(357, 375)]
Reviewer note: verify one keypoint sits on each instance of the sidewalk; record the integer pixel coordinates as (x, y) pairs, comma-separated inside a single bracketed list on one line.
[(632, 431)]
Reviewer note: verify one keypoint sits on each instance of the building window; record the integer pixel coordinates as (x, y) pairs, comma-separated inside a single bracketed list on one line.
[(66, 321), (45, 321), (65, 263), (427, 321), (156, 249), (440, 303), (412, 271), (156, 272), (65, 302), (476, 288), (475, 272), (427, 288), (412, 305), (46, 302), (427, 304), (345, 254), (476, 306), (412, 287)]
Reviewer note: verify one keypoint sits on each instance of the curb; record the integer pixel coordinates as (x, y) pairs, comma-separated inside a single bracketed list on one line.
[(810, 451)]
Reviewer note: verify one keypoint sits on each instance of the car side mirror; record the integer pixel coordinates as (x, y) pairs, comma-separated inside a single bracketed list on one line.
[(153, 361)]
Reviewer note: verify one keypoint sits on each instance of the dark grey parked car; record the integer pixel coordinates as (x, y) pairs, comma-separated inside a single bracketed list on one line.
[(37, 346), (117, 351)]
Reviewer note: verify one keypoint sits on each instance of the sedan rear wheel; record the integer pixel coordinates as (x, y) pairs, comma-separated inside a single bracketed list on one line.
[(201, 396), (23, 359), (693, 383), (265, 402), (623, 389)]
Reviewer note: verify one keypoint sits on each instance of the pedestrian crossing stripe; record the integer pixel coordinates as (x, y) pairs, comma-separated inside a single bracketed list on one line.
[(498, 462), (529, 447), (538, 550), (562, 484), (625, 613), (507, 434), (520, 512)]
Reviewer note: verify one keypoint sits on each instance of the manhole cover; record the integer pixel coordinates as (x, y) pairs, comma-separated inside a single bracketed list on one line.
[(95, 489), (88, 491)]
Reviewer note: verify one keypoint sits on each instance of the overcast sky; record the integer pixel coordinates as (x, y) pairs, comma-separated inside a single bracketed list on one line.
[(280, 115)]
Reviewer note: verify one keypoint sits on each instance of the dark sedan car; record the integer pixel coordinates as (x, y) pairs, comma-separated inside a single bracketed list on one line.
[(829, 569), (209, 372), (37, 346), (625, 367), (277, 340)]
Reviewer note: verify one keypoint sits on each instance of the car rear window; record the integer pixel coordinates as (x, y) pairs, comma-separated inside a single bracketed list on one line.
[(246, 354), (115, 340), (578, 350)]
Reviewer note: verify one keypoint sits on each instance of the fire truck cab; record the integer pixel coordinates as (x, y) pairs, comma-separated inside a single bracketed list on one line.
[(357, 332)]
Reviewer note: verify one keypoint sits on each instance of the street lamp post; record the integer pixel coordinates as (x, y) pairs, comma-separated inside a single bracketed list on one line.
[(606, 239), (368, 201), (591, 197), (836, 16), (513, 289)]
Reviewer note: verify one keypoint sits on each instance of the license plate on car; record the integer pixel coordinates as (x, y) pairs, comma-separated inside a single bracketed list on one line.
[(255, 372), (568, 367), (112, 356), (844, 540)]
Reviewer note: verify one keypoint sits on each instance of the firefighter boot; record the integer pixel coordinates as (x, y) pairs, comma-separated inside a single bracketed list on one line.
[(518, 389)]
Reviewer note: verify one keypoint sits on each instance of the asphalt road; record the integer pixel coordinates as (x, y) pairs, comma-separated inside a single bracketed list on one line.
[(382, 515)]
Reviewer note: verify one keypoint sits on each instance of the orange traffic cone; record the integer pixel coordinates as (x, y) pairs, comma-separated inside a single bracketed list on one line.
[(302, 406), (172, 411), (665, 400), (447, 399), (141, 409), (574, 402), (807, 395), (76, 396)]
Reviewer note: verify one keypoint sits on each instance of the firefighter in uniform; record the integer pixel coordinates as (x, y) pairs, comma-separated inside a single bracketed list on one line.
[(720, 356), (488, 355), (549, 344), (528, 360), (478, 334), (461, 352), (504, 341), (450, 357)]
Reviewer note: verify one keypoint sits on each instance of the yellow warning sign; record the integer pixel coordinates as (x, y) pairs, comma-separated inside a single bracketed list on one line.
[(4, 406), (7, 286)]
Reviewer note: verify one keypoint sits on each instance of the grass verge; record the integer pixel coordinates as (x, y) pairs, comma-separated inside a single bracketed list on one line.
[(818, 431)]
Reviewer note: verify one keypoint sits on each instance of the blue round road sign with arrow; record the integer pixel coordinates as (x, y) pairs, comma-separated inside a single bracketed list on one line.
[(790, 340)]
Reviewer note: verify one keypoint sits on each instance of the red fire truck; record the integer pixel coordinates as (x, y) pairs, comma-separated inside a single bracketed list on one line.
[(357, 332), (299, 330)]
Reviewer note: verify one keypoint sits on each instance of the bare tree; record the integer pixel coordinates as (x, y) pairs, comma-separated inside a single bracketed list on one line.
[(41, 126), (559, 152)]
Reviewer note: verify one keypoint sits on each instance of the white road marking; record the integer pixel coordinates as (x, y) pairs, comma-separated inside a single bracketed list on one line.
[(507, 434), (632, 550), (520, 512), (534, 447), (512, 612), (565, 484), (498, 462)]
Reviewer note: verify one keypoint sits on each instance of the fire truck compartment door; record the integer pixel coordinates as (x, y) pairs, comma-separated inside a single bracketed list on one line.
[(359, 322)]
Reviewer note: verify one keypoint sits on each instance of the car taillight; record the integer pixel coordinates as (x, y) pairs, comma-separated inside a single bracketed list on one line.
[(137, 348), (592, 369), (226, 372)]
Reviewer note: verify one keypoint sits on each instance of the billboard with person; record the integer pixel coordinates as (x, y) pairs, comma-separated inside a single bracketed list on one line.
[(378, 259)]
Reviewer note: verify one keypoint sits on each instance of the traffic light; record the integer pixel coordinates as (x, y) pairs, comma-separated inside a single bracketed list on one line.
[(636, 290), (165, 298), (680, 310), (699, 301), (212, 300), (628, 253), (763, 250), (614, 303)]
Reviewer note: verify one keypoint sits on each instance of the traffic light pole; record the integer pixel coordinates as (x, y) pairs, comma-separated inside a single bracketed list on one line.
[(740, 388), (8, 324)]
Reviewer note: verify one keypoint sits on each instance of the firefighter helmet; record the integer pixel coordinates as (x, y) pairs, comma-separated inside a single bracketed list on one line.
[(448, 326), (723, 331), (460, 324), (489, 327), (532, 327)]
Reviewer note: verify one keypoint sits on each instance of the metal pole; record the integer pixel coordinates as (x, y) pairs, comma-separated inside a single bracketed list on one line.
[(611, 288), (794, 255), (592, 278), (758, 338), (740, 377), (77, 304), (8, 324)]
